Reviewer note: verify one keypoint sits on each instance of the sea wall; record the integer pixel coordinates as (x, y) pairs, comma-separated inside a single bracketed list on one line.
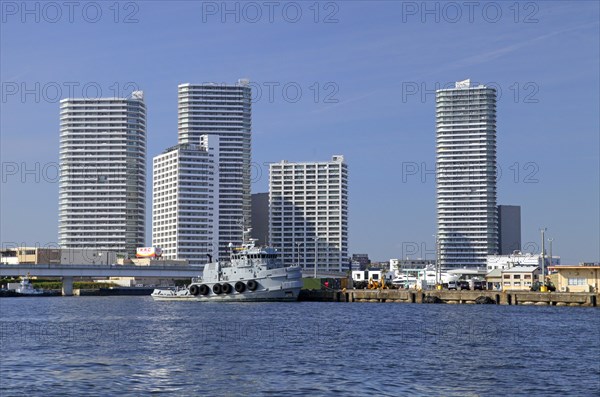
[(453, 297)]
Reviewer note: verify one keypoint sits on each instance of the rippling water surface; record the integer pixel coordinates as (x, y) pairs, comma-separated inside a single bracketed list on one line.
[(135, 346)]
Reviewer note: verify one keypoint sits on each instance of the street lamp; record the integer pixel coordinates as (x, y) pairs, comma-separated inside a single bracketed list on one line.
[(298, 252), (438, 269), (107, 257), (550, 240), (543, 276), (316, 255)]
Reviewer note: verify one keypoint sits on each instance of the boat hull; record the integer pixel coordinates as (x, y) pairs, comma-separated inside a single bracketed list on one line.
[(280, 285), (288, 295)]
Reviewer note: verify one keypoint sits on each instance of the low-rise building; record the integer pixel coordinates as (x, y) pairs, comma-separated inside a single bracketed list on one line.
[(89, 256), (59, 256), (30, 255), (579, 278), (519, 278), (366, 275), (494, 279)]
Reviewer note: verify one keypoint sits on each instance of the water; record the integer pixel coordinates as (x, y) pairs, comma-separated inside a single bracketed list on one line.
[(135, 346)]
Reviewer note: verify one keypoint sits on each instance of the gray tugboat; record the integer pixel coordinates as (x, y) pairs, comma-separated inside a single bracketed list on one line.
[(252, 274)]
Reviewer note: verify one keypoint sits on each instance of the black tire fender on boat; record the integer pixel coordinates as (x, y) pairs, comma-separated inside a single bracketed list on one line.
[(203, 289), (252, 285), (240, 287), (217, 289), (194, 290), (227, 288)]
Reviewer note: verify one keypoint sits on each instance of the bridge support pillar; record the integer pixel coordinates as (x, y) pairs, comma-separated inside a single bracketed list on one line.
[(67, 286)]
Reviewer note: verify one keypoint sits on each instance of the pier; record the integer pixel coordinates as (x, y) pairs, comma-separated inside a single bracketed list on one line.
[(453, 297)]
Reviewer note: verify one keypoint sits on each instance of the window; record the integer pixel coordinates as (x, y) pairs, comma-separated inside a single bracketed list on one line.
[(577, 281)]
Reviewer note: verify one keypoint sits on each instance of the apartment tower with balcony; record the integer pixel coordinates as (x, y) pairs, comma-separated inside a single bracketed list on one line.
[(225, 111), (185, 199), (308, 213), (467, 218), (103, 173)]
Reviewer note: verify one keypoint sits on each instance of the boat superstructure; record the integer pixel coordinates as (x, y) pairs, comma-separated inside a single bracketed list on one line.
[(252, 274)]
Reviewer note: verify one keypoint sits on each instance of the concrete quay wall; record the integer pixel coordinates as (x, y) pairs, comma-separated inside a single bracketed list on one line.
[(454, 297)]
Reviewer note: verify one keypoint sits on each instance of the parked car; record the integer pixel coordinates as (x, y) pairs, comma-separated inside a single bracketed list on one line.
[(451, 285), (462, 284), (478, 285)]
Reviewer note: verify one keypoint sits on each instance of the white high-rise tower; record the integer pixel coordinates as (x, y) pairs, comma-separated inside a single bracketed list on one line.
[(102, 190), (185, 199), (308, 213), (224, 111), (466, 175)]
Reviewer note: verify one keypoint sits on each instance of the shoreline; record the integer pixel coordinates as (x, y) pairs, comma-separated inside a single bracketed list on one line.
[(512, 298)]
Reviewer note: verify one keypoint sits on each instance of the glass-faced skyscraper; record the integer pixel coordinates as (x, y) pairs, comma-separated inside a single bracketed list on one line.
[(102, 190), (466, 175), (224, 111)]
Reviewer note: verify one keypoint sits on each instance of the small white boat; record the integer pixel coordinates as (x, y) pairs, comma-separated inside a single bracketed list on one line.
[(171, 294), (405, 281), (25, 288), (410, 278)]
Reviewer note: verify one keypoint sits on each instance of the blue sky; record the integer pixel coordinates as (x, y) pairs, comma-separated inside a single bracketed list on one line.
[(366, 71)]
